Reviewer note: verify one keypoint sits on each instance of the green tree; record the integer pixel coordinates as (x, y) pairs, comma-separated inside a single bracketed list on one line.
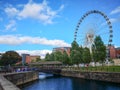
[(99, 50), (86, 56), (66, 59), (52, 57), (58, 56), (10, 58), (38, 59), (47, 57), (81, 50), (75, 55), (74, 45)]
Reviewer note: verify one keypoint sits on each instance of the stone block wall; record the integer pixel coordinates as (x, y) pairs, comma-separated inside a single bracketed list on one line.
[(22, 78), (100, 76)]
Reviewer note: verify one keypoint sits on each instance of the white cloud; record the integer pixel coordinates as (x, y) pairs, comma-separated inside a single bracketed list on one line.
[(41, 53), (11, 11), (112, 20), (11, 26), (42, 12), (61, 7), (39, 11), (16, 40), (117, 10)]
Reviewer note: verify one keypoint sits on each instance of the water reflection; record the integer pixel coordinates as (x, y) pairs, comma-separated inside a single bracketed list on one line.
[(51, 84), (64, 83), (82, 84), (43, 75)]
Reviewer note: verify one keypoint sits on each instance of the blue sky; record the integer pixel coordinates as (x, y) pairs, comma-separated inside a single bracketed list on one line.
[(38, 26)]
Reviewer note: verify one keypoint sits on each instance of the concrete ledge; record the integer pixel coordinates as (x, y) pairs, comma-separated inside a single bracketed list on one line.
[(7, 85)]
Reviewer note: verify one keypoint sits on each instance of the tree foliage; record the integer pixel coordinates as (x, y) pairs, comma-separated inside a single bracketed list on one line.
[(99, 50), (74, 45), (86, 56), (58, 56), (76, 53), (47, 57), (66, 59), (50, 57), (10, 58), (38, 59), (79, 54)]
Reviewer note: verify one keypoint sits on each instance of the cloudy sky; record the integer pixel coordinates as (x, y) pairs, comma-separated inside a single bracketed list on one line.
[(38, 26)]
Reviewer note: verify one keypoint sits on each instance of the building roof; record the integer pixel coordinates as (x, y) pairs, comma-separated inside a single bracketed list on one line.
[(61, 47), (118, 48)]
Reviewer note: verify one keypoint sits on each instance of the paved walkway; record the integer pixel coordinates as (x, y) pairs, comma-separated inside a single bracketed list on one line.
[(7, 85)]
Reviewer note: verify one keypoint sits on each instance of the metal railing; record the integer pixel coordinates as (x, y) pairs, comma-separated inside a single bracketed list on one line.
[(83, 69)]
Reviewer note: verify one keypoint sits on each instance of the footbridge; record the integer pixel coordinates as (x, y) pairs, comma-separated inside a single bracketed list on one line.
[(54, 67)]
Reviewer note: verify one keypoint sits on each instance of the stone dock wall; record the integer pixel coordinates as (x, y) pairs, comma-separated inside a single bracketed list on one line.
[(100, 76), (22, 78), (6, 84), (12, 80)]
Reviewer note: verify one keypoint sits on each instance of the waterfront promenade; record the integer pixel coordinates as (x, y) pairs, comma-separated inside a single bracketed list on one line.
[(10, 81)]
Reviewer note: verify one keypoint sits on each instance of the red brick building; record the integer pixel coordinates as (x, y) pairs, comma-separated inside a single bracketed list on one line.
[(30, 59), (26, 58), (114, 52), (62, 49), (118, 52)]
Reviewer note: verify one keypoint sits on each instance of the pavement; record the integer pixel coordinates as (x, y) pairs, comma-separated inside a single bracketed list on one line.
[(7, 85)]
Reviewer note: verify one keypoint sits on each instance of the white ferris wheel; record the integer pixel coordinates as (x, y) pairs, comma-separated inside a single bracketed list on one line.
[(91, 24)]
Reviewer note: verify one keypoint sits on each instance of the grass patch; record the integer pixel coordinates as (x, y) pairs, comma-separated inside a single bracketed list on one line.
[(97, 69)]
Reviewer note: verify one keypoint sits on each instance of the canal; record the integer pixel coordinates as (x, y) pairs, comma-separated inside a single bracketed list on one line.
[(67, 83)]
